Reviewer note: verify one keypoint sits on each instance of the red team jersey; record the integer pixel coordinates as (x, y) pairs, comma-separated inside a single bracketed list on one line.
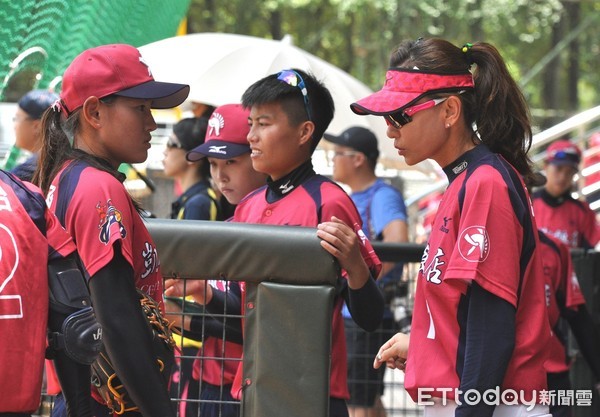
[(571, 221), (319, 199), (483, 232), (561, 284), (30, 235), (97, 211)]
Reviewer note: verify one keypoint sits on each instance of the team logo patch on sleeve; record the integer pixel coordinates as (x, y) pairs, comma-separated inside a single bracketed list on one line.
[(474, 244), (150, 257), (109, 215)]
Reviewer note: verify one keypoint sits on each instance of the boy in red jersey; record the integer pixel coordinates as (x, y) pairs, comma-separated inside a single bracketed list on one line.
[(228, 154), (289, 112), (565, 302)]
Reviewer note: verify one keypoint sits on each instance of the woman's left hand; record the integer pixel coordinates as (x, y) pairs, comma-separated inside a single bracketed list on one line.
[(393, 352)]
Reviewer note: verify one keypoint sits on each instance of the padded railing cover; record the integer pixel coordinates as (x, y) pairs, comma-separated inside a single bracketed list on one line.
[(242, 252), (287, 348), (287, 330)]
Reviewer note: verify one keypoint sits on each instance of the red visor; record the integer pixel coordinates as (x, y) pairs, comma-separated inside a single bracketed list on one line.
[(404, 86)]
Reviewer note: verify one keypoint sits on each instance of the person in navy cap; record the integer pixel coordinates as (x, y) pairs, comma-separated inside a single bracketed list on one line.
[(28, 128), (383, 212), (198, 200)]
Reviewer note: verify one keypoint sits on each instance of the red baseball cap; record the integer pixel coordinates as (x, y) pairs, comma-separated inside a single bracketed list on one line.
[(404, 86), (594, 140), (226, 135), (117, 69), (563, 152)]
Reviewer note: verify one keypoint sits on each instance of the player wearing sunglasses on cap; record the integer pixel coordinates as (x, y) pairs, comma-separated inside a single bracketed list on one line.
[(289, 112), (479, 319)]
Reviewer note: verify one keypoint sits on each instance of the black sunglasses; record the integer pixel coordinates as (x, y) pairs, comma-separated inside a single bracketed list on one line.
[(173, 144), (403, 117)]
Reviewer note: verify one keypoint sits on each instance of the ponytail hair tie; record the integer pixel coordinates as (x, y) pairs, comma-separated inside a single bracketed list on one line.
[(466, 49), (57, 106)]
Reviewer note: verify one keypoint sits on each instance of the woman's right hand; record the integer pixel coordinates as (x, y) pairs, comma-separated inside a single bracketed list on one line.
[(199, 290), (174, 314)]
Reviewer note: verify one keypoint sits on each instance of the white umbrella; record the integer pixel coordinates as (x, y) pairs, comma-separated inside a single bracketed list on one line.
[(220, 66)]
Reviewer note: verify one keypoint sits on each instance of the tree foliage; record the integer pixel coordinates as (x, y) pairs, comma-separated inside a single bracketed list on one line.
[(358, 36)]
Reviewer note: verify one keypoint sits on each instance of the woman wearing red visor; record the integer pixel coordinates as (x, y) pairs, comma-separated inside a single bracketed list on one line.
[(479, 325)]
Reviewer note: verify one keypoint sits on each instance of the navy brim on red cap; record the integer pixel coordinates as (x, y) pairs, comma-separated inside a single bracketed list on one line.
[(219, 149), (563, 162), (163, 95)]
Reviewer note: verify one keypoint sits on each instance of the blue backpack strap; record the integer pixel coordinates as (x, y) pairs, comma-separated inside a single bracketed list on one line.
[(378, 185), (33, 203)]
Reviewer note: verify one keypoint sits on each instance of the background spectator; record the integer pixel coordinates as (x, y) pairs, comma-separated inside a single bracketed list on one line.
[(557, 213), (383, 213), (28, 129), (198, 201)]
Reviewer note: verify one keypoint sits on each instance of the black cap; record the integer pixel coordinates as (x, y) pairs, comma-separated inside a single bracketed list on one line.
[(35, 102), (190, 132), (358, 138)]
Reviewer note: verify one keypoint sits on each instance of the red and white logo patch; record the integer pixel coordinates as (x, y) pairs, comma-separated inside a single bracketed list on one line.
[(474, 244)]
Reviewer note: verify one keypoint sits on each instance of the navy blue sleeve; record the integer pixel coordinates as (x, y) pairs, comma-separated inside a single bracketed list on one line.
[(222, 317), (229, 329), (587, 335), (490, 341), (365, 304), (198, 207), (25, 170), (229, 302), (127, 336)]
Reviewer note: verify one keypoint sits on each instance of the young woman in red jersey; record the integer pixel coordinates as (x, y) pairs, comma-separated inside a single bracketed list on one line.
[(102, 120)]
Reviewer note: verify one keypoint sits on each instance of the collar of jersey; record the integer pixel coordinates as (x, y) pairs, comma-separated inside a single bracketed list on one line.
[(284, 185), (554, 201), (82, 156), (454, 169)]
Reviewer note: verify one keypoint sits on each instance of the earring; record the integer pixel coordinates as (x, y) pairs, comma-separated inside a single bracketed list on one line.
[(447, 125)]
